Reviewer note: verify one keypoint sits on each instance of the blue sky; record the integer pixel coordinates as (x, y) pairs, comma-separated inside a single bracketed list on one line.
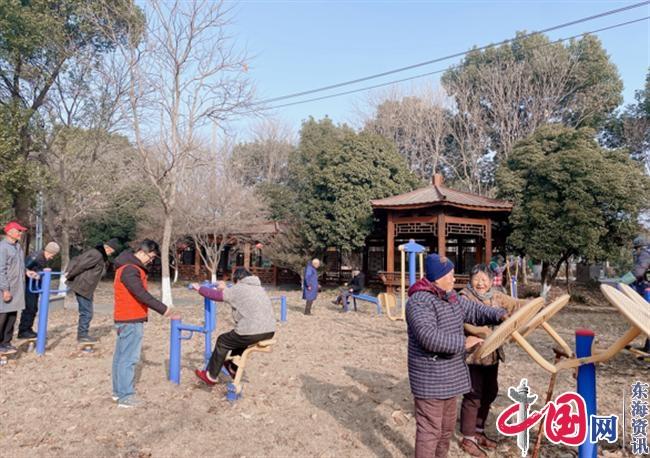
[(300, 45)]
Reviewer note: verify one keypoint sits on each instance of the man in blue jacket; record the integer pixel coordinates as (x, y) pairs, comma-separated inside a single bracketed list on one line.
[(310, 284), (437, 348)]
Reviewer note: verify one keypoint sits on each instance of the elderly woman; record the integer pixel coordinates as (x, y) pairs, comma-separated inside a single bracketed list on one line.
[(436, 352), (483, 373)]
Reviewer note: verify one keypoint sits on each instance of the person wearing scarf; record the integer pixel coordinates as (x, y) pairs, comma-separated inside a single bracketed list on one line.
[(437, 348), (475, 406)]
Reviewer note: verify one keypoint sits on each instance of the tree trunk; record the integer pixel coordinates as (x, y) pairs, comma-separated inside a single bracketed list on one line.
[(164, 260), (65, 256), (568, 282)]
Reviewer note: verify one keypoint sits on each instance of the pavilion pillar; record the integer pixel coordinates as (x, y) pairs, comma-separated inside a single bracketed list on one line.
[(442, 237), (488, 241), (390, 243)]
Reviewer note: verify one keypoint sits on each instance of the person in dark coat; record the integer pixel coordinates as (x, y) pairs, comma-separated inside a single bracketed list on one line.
[(356, 286), (437, 348), (310, 285), (83, 275), (37, 261)]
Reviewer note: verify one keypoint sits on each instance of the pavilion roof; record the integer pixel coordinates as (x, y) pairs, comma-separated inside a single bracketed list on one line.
[(438, 194)]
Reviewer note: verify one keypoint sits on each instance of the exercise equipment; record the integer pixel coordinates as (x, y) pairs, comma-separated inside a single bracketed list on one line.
[(43, 288), (627, 301), (234, 388), (414, 250)]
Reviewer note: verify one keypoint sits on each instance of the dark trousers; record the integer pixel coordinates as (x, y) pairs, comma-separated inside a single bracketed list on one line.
[(308, 305), (28, 315), (7, 322), (231, 341), (476, 404), (85, 315), (435, 420)]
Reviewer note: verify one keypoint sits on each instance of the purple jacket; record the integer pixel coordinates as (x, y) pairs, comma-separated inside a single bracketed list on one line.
[(436, 340)]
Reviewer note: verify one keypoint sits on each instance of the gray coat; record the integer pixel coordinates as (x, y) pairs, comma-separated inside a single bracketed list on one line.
[(12, 276), (252, 310), (85, 271)]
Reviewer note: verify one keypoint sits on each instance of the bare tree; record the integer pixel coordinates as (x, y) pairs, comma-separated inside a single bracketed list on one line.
[(265, 158), (87, 162), (183, 75), (418, 125), (218, 212)]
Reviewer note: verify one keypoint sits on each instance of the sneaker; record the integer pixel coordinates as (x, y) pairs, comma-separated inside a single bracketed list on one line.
[(9, 348), (485, 441), (471, 448), (29, 334), (86, 339), (203, 375), (129, 403), (115, 398)]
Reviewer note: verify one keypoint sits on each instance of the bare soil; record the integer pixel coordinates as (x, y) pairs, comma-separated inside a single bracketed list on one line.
[(335, 385)]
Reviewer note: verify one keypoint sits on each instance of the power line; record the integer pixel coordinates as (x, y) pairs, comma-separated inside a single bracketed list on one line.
[(451, 56), (422, 75)]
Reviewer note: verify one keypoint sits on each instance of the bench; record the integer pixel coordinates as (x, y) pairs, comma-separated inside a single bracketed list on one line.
[(362, 297), (235, 388)]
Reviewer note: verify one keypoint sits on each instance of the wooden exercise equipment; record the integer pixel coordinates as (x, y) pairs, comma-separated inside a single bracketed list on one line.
[(263, 346), (388, 302), (541, 319), (636, 312)]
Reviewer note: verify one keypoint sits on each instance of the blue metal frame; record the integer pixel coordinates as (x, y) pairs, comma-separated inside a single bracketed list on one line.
[(43, 304)]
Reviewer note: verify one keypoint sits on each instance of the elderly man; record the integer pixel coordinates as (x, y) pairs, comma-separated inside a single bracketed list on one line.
[(12, 282), (437, 348), (36, 261), (310, 284), (83, 274)]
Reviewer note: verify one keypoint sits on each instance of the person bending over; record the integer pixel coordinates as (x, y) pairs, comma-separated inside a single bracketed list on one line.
[(252, 313)]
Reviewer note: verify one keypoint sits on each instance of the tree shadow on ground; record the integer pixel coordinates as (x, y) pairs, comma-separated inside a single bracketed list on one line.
[(356, 409)]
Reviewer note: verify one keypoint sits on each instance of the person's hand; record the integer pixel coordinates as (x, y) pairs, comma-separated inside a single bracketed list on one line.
[(195, 286), (221, 285), (472, 341), (172, 314), (505, 316), (32, 274), (309, 288), (351, 290), (6, 296)]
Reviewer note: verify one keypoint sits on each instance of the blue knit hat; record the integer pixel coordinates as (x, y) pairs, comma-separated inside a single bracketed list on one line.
[(437, 266)]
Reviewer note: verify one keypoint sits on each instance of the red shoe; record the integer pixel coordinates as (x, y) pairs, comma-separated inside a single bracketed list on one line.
[(203, 375)]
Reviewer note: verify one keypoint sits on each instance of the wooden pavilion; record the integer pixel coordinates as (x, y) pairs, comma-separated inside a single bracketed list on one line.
[(467, 228)]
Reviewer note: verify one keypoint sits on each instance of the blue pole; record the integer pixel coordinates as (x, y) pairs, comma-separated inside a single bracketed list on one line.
[(209, 322), (283, 309), (175, 352), (412, 268), (43, 311), (586, 387)]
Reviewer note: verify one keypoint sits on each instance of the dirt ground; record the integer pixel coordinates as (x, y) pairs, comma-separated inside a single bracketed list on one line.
[(335, 385)]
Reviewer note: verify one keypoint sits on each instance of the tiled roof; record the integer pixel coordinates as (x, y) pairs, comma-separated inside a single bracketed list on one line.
[(441, 195)]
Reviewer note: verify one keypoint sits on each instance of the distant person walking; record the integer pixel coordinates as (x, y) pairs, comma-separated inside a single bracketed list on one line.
[(310, 285), (37, 261), (83, 275)]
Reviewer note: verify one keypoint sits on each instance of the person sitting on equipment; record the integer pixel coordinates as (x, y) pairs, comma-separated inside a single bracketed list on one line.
[(437, 348), (483, 373), (254, 319), (355, 286)]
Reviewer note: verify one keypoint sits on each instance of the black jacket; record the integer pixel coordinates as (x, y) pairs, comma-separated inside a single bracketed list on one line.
[(131, 280), (85, 271), (357, 283)]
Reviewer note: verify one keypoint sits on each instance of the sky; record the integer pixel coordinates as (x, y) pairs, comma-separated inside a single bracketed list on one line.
[(302, 45)]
